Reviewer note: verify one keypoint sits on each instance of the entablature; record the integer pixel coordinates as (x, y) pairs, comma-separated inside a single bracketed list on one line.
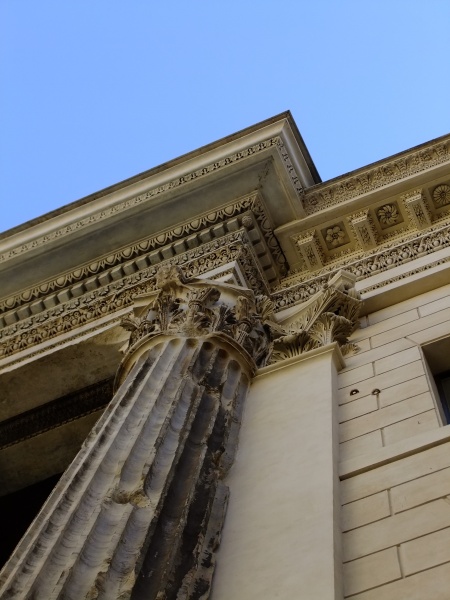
[(269, 158)]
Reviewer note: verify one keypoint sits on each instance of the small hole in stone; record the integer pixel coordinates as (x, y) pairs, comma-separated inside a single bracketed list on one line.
[(353, 392), (375, 392)]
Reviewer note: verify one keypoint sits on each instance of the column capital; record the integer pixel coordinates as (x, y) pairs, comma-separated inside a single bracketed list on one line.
[(200, 307), (330, 315)]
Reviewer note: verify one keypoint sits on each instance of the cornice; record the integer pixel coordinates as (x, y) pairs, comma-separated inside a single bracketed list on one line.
[(276, 139), (121, 207), (114, 297), (250, 211), (374, 177)]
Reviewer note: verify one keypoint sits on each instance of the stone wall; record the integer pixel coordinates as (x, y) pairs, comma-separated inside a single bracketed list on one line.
[(395, 457)]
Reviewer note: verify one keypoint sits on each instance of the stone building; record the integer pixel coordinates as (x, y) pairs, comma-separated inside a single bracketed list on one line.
[(241, 372)]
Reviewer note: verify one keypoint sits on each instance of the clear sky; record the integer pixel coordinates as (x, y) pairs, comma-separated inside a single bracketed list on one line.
[(95, 91)]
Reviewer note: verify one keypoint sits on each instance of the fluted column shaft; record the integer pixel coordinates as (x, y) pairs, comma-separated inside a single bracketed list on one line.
[(139, 512)]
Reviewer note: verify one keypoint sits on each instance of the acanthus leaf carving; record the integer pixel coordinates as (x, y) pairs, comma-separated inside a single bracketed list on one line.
[(199, 307), (330, 315)]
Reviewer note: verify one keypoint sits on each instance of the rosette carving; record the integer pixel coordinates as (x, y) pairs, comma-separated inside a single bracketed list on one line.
[(441, 195)]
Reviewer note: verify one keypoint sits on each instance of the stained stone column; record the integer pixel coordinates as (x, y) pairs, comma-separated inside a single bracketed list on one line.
[(139, 512)]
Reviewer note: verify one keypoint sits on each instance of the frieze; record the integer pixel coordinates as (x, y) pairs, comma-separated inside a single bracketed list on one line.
[(126, 256), (274, 142), (372, 179), (117, 295)]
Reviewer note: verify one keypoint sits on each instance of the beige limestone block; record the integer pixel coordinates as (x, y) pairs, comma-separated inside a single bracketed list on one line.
[(436, 306), (394, 530), (367, 356), (428, 585), (367, 510), (425, 552), (386, 416), (395, 473), (356, 465), (357, 408), (429, 334), (381, 382), (426, 488), (356, 375), (402, 391), (364, 444), (387, 324), (397, 360), (410, 427), (410, 328), (371, 571), (415, 302)]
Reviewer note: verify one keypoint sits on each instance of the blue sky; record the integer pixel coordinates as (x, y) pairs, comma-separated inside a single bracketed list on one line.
[(95, 91)]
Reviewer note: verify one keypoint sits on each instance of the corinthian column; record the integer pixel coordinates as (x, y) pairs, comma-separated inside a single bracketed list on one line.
[(139, 512)]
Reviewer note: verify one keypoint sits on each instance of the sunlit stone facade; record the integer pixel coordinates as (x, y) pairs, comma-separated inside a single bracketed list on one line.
[(240, 372)]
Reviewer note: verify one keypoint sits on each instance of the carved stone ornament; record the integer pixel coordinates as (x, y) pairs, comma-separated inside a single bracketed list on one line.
[(331, 315), (153, 250), (300, 287), (364, 229), (116, 295), (201, 307), (418, 209), (335, 236), (311, 250), (388, 215)]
